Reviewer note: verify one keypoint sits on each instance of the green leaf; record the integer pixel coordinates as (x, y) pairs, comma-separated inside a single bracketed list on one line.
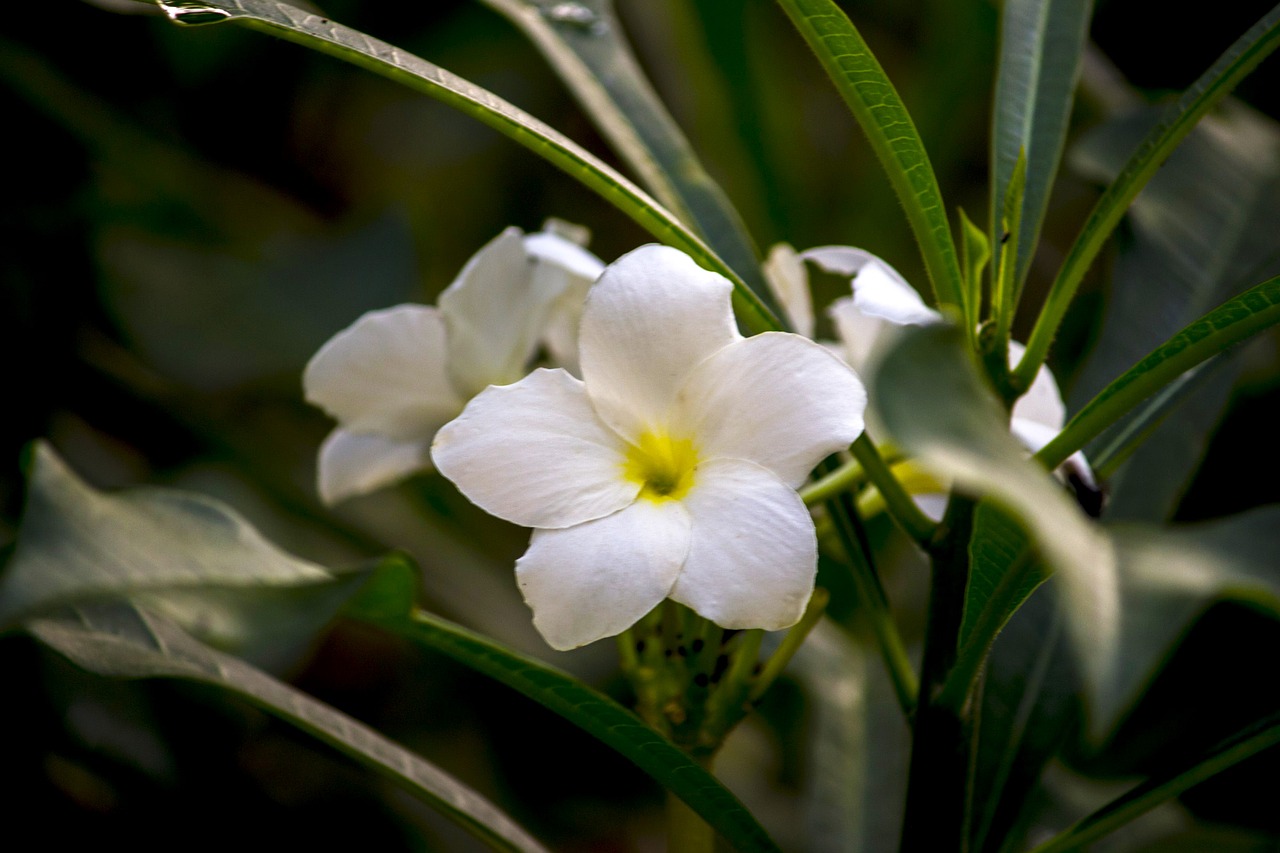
[(191, 555), (1178, 120), (1201, 231), (1041, 49), (1261, 735), (975, 252), (935, 405), (121, 641), (388, 603), (858, 747), (1028, 706), (1256, 309), (585, 44), (1171, 575), (884, 119), (1004, 296), (327, 36)]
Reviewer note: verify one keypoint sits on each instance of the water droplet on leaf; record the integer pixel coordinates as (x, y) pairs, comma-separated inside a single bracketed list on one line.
[(571, 13), (194, 14)]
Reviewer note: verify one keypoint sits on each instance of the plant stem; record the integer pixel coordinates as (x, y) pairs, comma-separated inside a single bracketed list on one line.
[(901, 508), (936, 792)]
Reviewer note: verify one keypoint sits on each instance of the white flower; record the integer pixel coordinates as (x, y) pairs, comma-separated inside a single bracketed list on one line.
[(883, 302), (393, 377), (670, 469)]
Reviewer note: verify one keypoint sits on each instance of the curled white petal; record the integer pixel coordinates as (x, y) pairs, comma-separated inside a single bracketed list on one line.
[(597, 579), (862, 335), (752, 553), (354, 464), (785, 273), (495, 310), (385, 374), (535, 454), (776, 399), (878, 289), (652, 316)]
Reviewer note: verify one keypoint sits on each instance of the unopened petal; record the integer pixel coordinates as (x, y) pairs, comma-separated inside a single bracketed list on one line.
[(652, 316), (385, 374), (495, 310), (752, 553), (597, 579), (785, 273), (776, 399), (862, 335), (1042, 403), (535, 454), (353, 464), (577, 270)]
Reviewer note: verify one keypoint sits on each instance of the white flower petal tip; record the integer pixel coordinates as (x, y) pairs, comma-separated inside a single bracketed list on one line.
[(563, 254), (653, 315), (353, 464), (385, 374), (753, 555), (598, 579), (534, 453)]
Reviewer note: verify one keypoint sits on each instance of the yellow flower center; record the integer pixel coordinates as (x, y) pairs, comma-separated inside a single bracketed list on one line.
[(662, 465)]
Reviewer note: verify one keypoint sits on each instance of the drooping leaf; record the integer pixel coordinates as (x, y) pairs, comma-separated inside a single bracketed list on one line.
[(1170, 576), (1177, 120), (1041, 49), (1127, 592), (585, 44), (322, 34), (936, 406), (388, 602), (884, 119), (122, 641), (191, 555)]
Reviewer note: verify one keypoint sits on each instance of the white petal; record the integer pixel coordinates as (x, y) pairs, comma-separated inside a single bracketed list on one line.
[(563, 254), (878, 289), (385, 374), (561, 332), (753, 552), (597, 579), (354, 464), (784, 271), (1042, 403), (863, 336), (777, 399), (495, 310), (1035, 435), (652, 316), (535, 454)]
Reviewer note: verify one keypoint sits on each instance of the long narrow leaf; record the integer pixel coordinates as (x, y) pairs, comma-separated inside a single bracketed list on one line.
[(884, 119), (293, 24), (1041, 47), (123, 642), (1180, 117), (1142, 799), (1249, 313), (585, 44), (389, 605)]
